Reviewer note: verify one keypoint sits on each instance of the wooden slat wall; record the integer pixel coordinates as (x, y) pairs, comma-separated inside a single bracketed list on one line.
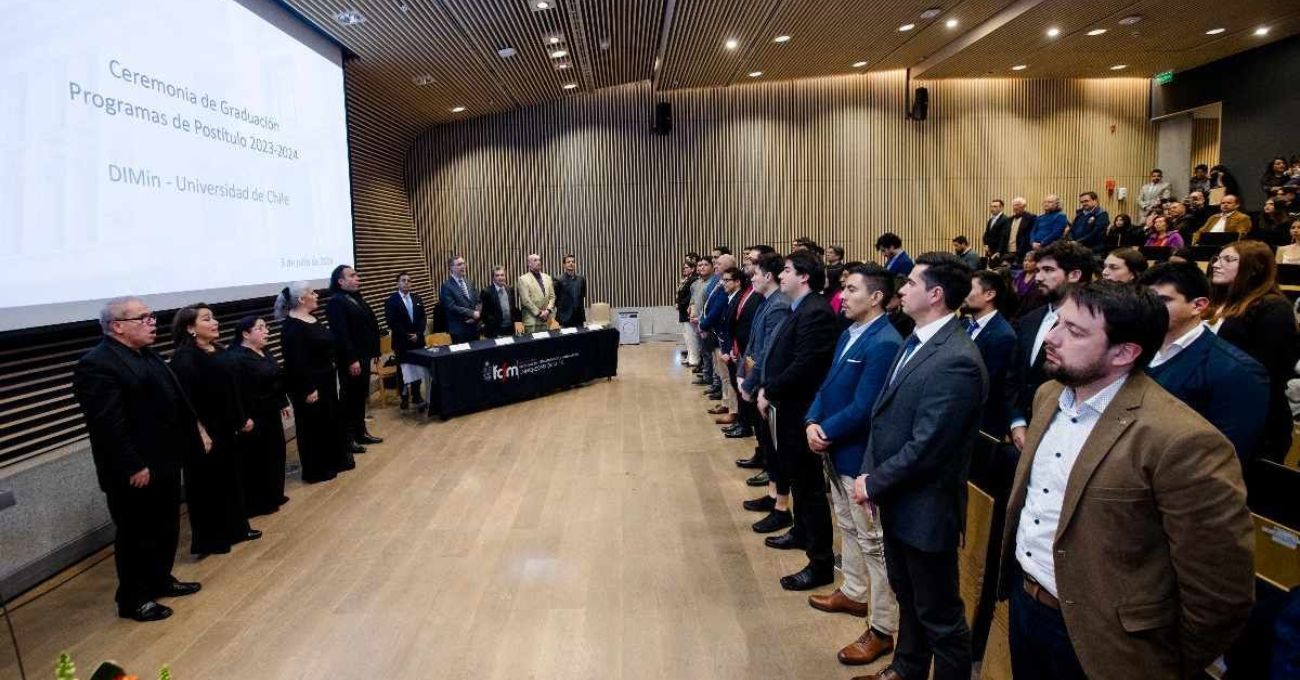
[(1205, 141), (831, 158)]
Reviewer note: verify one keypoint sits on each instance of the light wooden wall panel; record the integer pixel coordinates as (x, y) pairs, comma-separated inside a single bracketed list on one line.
[(1205, 141), (831, 158)]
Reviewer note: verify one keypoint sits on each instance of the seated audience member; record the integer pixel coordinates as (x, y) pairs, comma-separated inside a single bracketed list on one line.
[(500, 306), (261, 389), (1179, 221), (1290, 253), (1024, 285), (961, 246), (997, 233), (1198, 211), (838, 423), (571, 295), (1051, 224), (535, 291), (835, 267), (1154, 192), (1122, 233), (1272, 227), (1163, 510), (690, 340), (1247, 309), (325, 447), (1275, 175), (890, 247), (141, 428), (1229, 220), (1220, 382), (1021, 230), (1091, 221), (1222, 180), (214, 490), (1162, 235), (407, 323), (1200, 179), (775, 309), (1124, 265), (458, 302)]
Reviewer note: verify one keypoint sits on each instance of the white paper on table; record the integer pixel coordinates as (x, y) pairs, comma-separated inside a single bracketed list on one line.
[(457, 348), (542, 335), (568, 331), (506, 341), (595, 326)]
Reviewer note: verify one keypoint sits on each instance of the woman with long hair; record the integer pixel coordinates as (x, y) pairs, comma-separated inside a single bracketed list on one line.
[(1274, 175), (1122, 233), (1222, 178), (214, 490), (1271, 228), (261, 387), (1290, 253), (1247, 309), (1161, 235), (309, 377)]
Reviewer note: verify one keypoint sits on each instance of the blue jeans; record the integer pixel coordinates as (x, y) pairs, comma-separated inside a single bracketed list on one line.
[(1040, 644)]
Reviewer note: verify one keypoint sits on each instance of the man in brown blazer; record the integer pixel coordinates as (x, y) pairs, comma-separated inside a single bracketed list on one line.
[(1127, 551), (1229, 220)]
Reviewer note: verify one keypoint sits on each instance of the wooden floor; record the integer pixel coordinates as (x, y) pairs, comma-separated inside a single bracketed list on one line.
[(595, 533)]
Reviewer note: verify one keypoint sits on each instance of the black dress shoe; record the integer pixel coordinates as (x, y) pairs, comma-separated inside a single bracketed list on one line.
[(739, 433), (776, 520), (350, 465), (714, 396), (786, 541), (356, 448), (323, 478), (284, 499), (809, 577), (251, 535), (699, 381), (750, 464), (404, 404), (367, 438), (149, 611), (760, 479), (760, 504), (179, 589)]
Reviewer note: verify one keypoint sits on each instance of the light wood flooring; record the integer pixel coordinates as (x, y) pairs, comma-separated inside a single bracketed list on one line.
[(593, 533)]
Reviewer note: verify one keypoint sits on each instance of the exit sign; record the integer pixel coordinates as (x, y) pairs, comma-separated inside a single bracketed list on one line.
[(1164, 78)]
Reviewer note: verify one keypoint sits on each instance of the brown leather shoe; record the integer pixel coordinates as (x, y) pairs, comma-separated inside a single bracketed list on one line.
[(718, 410), (725, 420), (837, 602), (887, 674), (868, 648)]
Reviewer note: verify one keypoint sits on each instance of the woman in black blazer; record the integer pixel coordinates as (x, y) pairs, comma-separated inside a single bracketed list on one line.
[(1249, 311), (214, 490), (261, 387), (309, 377)]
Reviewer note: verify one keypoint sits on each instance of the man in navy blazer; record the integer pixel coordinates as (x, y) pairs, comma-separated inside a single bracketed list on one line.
[(986, 307), (1225, 385), (914, 470), (407, 322), (1050, 226), (838, 423), (890, 247), (1090, 222), (460, 306)]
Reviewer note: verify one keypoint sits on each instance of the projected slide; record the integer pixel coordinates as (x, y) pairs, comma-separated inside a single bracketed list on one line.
[(181, 150)]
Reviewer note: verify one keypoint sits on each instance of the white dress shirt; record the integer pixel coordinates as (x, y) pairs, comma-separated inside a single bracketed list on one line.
[(1049, 320), (855, 332), (923, 335), (1221, 225), (1166, 353), (1050, 473), (981, 322), (406, 301)]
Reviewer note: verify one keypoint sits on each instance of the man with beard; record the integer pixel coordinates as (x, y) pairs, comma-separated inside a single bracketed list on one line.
[(1127, 548), (1058, 264)]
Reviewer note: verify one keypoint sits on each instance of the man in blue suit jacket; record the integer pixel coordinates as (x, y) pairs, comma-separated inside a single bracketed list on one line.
[(838, 423), (989, 300), (1050, 226), (460, 306), (712, 320), (890, 247), (1222, 383), (1090, 222)]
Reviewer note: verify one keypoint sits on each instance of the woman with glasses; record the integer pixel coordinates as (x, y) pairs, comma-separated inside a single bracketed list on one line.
[(1247, 309), (214, 494), (311, 381), (261, 386)]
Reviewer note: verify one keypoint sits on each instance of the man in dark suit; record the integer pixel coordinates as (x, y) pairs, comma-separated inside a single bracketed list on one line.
[(987, 307), (356, 346), (1020, 230), (571, 295), (838, 423), (711, 319), (997, 233), (1090, 222), (1059, 264), (914, 470), (141, 427), (407, 322), (1225, 385), (765, 280), (740, 317), (797, 360), (459, 304), (498, 305), (890, 247)]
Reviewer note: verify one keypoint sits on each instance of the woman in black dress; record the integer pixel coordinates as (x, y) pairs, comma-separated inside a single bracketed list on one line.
[(214, 494), (261, 387), (1247, 309), (310, 379)]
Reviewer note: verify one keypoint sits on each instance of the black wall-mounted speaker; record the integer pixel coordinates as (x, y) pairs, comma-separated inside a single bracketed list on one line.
[(920, 104), (663, 123)]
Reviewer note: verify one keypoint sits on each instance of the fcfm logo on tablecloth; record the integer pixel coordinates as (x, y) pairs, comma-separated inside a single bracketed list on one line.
[(499, 372)]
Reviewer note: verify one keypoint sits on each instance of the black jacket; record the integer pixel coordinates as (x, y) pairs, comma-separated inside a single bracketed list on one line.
[(136, 413), (209, 382), (1023, 378), (997, 233), (355, 328), (742, 319), (492, 314), (402, 326), (800, 353), (261, 382), (570, 299), (684, 298), (1023, 242)]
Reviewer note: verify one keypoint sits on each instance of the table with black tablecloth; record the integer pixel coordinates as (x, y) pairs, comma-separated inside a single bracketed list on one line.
[(487, 374)]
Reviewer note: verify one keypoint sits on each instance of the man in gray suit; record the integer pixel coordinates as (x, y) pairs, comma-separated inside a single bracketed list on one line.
[(914, 471)]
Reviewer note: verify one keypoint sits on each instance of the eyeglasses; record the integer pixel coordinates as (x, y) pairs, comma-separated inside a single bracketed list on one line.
[(1225, 259), (147, 319)]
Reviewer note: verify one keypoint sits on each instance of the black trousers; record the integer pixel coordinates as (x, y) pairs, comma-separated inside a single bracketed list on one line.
[(353, 393), (148, 529), (932, 619), (262, 464), (214, 497), (322, 438), (464, 336), (1040, 644), (802, 470)]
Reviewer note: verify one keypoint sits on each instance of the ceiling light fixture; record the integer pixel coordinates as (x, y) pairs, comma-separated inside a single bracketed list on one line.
[(755, 74), (1053, 32), (562, 65), (781, 39), (559, 54), (931, 13), (457, 109), (506, 52), (350, 17), (1097, 31), (906, 27), (570, 86), (731, 43), (859, 64), (951, 23), (1019, 67), (1119, 67), (541, 4), (1262, 30), (422, 79), (555, 39), (1215, 31), (1130, 20)]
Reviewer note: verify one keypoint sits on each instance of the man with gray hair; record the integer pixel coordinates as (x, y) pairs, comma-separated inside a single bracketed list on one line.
[(141, 427), (1050, 226), (1022, 226)]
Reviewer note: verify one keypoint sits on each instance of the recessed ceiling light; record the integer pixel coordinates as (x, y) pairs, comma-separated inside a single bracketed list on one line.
[(731, 44), (1215, 31), (350, 17), (931, 13), (951, 23), (554, 39), (781, 39), (859, 64), (422, 79), (1262, 30), (1053, 32), (755, 74), (457, 109), (541, 4), (1130, 20), (1097, 31), (559, 54), (1019, 67), (506, 52), (561, 65), (570, 86), (906, 27), (1119, 67)]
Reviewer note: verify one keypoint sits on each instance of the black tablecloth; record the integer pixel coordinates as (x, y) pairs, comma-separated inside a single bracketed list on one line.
[(488, 374)]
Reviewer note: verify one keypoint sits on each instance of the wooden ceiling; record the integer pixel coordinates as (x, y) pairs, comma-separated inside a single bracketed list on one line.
[(423, 58)]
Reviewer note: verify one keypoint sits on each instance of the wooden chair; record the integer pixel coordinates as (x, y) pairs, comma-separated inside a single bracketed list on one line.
[(385, 371), (435, 339), (600, 313)]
